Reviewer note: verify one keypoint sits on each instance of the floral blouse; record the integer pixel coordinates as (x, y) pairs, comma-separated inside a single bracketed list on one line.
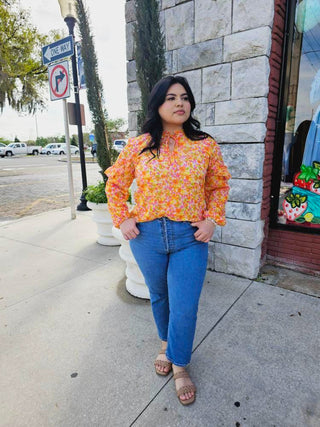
[(188, 183)]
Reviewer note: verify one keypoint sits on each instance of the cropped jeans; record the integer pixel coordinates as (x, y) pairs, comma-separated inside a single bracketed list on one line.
[(173, 264)]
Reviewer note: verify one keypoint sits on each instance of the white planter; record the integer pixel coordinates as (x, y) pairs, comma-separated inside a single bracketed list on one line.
[(135, 283), (102, 217)]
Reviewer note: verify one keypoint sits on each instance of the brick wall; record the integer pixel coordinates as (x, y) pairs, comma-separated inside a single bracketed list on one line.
[(274, 79), (294, 249), (301, 250)]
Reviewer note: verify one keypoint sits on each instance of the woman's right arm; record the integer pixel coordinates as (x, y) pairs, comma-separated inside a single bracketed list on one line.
[(120, 177)]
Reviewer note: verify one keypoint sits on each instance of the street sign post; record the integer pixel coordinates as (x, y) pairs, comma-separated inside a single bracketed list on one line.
[(59, 80), (62, 48)]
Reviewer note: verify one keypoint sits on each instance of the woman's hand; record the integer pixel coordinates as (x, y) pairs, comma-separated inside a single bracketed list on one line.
[(129, 229), (205, 230)]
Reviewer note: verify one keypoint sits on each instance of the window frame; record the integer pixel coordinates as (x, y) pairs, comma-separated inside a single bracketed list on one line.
[(281, 123)]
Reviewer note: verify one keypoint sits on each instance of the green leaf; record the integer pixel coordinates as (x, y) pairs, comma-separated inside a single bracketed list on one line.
[(316, 165), (290, 198), (308, 173), (96, 193), (302, 198), (295, 200)]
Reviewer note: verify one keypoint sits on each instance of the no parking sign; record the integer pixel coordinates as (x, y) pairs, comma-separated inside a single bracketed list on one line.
[(59, 82)]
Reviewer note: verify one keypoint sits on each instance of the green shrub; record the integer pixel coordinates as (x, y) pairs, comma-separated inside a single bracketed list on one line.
[(96, 193)]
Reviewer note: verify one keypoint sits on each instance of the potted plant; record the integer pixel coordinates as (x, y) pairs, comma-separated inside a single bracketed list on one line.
[(98, 203)]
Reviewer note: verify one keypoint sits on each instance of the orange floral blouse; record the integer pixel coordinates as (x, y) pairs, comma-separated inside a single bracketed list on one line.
[(186, 184)]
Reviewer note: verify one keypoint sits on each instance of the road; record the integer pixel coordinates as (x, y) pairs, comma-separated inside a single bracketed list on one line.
[(33, 184)]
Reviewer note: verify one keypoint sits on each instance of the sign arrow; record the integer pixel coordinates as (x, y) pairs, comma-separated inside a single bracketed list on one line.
[(59, 79), (47, 54)]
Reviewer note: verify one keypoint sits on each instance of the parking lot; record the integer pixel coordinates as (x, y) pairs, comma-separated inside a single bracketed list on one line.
[(35, 184)]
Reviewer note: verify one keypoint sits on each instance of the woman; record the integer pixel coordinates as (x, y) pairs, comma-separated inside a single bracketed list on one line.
[(181, 196)]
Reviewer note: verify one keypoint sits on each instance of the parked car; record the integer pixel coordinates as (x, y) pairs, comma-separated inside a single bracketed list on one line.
[(20, 148), (49, 147), (94, 149), (63, 149), (2, 144), (119, 144)]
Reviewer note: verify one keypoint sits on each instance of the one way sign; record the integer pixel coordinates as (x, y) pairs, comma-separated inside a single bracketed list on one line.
[(60, 49)]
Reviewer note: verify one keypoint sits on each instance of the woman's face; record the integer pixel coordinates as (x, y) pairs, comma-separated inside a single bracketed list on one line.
[(176, 108)]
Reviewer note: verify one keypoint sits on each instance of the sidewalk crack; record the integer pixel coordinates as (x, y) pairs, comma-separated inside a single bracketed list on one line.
[(224, 314)]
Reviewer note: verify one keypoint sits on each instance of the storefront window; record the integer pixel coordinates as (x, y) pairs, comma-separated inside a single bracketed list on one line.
[(299, 194)]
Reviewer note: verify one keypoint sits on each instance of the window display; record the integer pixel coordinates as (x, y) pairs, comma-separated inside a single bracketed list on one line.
[(299, 196)]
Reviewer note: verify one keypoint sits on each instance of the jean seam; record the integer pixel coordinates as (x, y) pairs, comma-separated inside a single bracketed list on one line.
[(166, 235)]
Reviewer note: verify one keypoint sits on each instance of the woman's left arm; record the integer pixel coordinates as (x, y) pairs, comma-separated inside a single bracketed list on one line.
[(216, 186)]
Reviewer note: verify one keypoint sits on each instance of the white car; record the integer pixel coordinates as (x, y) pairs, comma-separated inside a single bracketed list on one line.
[(119, 144), (63, 149), (19, 148), (49, 148)]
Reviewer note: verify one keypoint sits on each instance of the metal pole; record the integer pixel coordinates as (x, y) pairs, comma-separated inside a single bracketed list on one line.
[(35, 116), (70, 178), (83, 202)]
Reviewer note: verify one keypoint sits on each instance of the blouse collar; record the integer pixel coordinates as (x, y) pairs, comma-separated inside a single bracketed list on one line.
[(176, 135)]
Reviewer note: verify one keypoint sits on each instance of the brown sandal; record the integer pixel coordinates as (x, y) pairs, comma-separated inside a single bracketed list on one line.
[(162, 363), (185, 389)]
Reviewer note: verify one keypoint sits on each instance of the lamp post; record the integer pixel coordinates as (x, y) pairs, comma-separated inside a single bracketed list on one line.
[(68, 12)]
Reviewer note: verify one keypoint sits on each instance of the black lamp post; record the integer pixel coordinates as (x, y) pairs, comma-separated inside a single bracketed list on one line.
[(68, 12)]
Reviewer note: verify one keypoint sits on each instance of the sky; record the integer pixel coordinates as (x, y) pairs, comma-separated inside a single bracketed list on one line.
[(108, 28)]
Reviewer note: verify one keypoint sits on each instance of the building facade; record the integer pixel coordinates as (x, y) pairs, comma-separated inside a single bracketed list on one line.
[(239, 57)]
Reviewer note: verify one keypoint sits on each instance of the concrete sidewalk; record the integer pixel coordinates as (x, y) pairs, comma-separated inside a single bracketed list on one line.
[(77, 350)]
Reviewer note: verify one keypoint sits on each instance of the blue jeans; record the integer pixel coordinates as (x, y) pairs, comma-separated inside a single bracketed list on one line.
[(173, 264)]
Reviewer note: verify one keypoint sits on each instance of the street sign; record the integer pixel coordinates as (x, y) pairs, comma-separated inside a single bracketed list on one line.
[(82, 80), (72, 114), (60, 49), (59, 80)]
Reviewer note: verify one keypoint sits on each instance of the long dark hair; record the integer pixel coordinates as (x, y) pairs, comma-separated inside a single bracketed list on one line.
[(153, 122)]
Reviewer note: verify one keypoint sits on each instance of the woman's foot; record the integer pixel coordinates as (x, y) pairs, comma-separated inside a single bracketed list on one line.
[(185, 388), (162, 364)]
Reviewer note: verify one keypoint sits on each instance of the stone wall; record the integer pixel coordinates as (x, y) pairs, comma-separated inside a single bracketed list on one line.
[(222, 47)]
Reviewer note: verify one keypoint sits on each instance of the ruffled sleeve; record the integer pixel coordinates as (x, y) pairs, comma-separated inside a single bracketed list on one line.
[(120, 177), (216, 186)]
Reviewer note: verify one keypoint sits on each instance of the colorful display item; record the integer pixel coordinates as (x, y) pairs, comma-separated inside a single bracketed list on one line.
[(302, 205)]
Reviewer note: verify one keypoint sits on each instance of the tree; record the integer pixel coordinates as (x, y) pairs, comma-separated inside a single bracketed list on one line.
[(94, 89), (4, 140), (149, 50), (114, 125), (114, 132), (74, 140), (41, 140), (22, 75)]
